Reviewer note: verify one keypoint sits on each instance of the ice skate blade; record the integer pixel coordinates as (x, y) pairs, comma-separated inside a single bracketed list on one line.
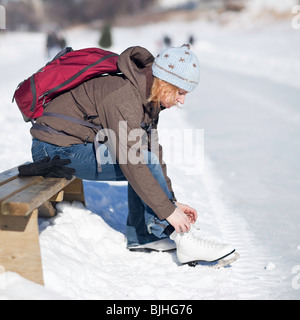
[(147, 250), (164, 245), (217, 264)]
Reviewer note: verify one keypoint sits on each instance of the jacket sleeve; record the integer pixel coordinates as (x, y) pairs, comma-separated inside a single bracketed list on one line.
[(164, 168), (123, 119), (158, 150)]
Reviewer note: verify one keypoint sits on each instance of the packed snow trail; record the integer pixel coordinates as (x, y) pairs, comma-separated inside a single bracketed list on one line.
[(217, 221), (257, 157)]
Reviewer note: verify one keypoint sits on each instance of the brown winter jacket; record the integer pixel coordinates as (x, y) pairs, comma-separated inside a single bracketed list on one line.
[(114, 98)]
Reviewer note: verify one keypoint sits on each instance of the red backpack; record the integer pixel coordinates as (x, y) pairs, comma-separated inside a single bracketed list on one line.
[(66, 71)]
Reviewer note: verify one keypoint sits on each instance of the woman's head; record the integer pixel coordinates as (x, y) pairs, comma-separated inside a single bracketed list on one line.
[(166, 94), (177, 66)]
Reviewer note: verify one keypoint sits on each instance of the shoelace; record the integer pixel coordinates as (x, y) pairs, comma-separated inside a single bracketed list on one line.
[(202, 242)]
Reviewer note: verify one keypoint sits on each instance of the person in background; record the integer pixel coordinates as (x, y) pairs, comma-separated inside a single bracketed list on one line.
[(54, 43)]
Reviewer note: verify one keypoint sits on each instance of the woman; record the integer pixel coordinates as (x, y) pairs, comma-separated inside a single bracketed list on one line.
[(124, 104)]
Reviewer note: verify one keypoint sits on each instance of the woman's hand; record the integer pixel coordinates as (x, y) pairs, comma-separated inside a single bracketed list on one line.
[(182, 218), (190, 212), (180, 221)]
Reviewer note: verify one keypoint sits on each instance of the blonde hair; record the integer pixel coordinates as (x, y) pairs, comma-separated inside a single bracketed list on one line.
[(161, 89)]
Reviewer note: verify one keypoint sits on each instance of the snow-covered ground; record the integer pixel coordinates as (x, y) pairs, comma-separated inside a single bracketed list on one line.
[(248, 193)]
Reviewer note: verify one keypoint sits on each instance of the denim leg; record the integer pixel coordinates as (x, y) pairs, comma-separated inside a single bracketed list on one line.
[(136, 229), (156, 226), (82, 158), (143, 225)]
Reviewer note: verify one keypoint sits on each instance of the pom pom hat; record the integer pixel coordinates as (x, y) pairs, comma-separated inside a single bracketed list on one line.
[(178, 66)]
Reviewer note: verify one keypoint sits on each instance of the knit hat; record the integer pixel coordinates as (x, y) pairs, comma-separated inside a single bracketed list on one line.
[(178, 66)]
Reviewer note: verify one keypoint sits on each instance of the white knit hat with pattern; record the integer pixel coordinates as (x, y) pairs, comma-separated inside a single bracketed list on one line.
[(178, 66)]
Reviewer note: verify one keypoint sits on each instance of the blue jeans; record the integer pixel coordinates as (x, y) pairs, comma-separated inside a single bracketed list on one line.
[(143, 225)]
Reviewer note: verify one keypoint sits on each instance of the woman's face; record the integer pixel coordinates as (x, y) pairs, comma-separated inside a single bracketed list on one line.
[(168, 101)]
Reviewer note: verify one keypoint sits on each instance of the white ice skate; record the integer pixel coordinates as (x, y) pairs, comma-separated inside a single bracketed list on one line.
[(192, 249)]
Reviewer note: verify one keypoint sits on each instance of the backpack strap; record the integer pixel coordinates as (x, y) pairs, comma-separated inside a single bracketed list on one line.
[(48, 129), (72, 119)]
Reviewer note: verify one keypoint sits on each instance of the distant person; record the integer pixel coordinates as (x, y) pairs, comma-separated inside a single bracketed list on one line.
[(54, 43), (167, 41), (191, 40)]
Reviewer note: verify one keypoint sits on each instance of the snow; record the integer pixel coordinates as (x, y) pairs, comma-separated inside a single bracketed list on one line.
[(247, 107)]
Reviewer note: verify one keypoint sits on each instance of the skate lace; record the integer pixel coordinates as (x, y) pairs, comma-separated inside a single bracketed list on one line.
[(203, 242)]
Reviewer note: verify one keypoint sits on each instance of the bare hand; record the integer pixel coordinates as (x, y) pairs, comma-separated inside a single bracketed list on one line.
[(189, 211), (180, 221)]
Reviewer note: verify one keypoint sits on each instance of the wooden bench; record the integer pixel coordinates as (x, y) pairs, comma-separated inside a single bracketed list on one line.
[(22, 200)]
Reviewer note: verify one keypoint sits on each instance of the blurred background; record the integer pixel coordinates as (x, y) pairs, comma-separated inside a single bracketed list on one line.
[(41, 15), (103, 18), (55, 15)]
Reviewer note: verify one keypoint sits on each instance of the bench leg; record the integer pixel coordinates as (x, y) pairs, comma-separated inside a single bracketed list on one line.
[(74, 191), (20, 247), (46, 210)]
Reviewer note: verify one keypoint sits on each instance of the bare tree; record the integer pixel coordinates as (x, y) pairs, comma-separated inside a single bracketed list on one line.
[(68, 12)]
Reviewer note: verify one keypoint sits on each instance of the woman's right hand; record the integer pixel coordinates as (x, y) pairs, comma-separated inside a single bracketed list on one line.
[(180, 221)]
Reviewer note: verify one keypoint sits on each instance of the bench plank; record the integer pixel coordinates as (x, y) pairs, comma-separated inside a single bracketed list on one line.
[(24, 202), (16, 185), (8, 175)]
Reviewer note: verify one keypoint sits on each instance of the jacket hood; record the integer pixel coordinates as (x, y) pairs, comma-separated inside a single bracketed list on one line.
[(136, 65)]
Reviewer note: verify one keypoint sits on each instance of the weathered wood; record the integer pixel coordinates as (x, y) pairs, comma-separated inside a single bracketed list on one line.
[(46, 210), (19, 246), (22, 203), (74, 191), (57, 197), (8, 175), (16, 185), (21, 200)]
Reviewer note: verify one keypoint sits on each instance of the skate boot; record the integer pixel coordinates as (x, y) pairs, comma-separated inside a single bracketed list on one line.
[(192, 249)]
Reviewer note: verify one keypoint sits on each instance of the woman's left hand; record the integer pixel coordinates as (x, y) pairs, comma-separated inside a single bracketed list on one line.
[(189, 211)]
